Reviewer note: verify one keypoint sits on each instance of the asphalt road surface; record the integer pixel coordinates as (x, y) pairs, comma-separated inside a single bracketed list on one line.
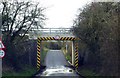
[(55, 58), (55, 65)]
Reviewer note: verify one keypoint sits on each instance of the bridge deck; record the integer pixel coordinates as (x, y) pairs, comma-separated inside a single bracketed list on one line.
[(50, 32)]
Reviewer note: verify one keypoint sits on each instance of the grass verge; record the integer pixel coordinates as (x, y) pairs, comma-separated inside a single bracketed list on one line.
[(25, 73), (87, 73)]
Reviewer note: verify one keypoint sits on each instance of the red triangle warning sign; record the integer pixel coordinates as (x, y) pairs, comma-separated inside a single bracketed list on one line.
[(1, 45)]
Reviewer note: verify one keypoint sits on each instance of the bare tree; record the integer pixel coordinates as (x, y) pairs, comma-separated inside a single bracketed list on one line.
[(20, 17)]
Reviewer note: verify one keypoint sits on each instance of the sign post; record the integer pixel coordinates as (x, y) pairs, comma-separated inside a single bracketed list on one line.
[(0, 37), (2, 54)]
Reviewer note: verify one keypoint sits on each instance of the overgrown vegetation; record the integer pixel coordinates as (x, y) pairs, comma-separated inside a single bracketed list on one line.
[(18, 19), (25, 73), (97, 25)]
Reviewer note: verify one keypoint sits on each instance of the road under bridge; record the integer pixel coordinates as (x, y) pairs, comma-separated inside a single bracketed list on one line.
[(56, 65)]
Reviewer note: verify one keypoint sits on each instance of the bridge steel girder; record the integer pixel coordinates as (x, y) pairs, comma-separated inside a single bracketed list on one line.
[(74, 49)]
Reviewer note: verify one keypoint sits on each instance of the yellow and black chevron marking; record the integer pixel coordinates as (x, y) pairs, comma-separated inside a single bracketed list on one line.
[(52, 38), (38, 53), (68, 38), (76, 55)]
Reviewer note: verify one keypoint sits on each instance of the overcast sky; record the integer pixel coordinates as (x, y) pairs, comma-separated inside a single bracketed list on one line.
[(60, 13)]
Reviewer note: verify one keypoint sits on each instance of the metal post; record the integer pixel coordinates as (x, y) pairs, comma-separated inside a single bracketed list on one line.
[(73, 55), (66, 47)]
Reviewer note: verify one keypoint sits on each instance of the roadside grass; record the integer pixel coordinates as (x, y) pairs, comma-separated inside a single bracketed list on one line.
[(43, 54), (88, 73), (25, 73), (68, 58)]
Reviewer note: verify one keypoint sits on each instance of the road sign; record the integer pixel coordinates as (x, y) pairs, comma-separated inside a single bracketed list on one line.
[(2, 53), (1, 45), (57, 37)]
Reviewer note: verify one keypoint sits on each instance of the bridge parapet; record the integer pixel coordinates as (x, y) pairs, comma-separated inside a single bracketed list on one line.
[(50, 32)]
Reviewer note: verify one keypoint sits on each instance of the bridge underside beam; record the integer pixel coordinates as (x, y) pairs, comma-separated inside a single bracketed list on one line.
[(61, 38)]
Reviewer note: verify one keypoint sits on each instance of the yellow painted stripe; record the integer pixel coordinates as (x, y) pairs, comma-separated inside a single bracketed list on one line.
[(38, 61), (38, 43), (46, 38), (76, 55), (38, 46), (71, 38), (76, 58), (38, 58), (42, 38), (49, 38), (67, 38), (76, 61), (38, 55), (60, 38), (38, 64), (38, 68), (63, 38), (54, 38), (76, 50), (76, 64), (38, 50), (39, 38), (74, 38)]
